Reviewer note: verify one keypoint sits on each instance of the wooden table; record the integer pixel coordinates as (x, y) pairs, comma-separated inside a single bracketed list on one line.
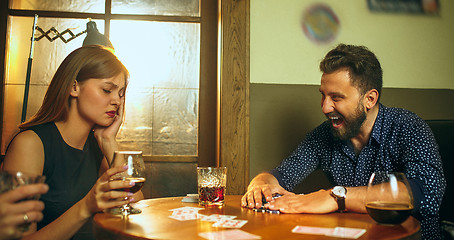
[(154, 223)]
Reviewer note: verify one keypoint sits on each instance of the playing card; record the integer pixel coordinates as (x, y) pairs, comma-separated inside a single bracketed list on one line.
[(343, 232), (228, 235), (185, 217), (215, 217), (223, 216), (229, 223), (313, 230), (184, 212), (186, 208)]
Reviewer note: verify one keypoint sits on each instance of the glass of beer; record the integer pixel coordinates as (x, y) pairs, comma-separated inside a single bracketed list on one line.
[(211, 183), (389, 199), (135, 173)]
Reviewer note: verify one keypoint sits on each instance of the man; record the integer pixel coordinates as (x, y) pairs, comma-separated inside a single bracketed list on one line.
[(360, 136)]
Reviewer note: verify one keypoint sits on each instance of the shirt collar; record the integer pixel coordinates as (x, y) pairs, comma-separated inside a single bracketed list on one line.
[(377, 130)]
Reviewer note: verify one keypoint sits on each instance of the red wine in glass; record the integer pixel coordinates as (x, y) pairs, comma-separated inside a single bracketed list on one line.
[(138, 184), (134, 173)]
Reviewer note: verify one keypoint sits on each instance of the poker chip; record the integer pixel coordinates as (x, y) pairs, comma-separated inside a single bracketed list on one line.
[(273, 211), (259, 209)]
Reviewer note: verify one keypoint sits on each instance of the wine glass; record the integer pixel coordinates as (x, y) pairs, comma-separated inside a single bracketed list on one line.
[(389, 199), (10, 180), (135, 173)]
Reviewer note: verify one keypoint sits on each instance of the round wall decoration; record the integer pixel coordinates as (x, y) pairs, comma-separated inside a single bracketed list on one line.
[(320, 23)]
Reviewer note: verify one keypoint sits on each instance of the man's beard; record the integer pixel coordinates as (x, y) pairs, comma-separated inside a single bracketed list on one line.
[(352, 126)]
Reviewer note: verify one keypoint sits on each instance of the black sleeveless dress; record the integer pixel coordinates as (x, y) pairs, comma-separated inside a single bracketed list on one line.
[(70, 174)]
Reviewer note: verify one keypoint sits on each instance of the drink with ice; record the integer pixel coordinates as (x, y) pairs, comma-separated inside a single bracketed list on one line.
[(211, 185)]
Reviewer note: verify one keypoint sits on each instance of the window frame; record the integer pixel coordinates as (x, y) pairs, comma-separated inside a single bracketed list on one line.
[(206, 146), (233, 16)]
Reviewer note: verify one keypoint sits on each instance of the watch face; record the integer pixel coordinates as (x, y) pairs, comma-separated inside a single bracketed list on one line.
[(340, 191)]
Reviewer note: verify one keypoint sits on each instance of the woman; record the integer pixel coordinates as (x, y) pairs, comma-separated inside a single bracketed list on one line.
[(71, 140)]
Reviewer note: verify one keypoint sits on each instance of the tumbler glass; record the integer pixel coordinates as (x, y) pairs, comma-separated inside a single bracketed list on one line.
[(211, 185)]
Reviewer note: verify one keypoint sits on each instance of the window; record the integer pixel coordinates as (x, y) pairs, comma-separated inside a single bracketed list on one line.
[(171, 97), (171, 114), (223, 115)]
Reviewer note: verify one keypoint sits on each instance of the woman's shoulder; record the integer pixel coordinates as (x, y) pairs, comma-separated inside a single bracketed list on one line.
[(30, 139), (26, 138), (26, 153)]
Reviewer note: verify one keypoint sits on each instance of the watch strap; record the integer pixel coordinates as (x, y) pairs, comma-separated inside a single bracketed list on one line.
[(340, 204), (340, 201)]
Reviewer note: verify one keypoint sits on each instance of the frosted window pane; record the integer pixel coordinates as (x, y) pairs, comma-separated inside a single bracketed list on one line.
[(159, 54), (175, 122), (157, 7), (162, 96), (86, 6), (47, 57), (136, 131)]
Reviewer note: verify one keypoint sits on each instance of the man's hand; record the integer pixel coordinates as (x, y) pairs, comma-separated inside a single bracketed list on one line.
[(263, 185), (316, 202)]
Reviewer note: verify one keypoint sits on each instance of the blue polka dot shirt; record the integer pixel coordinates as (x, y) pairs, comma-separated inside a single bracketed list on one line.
[(400, 142)]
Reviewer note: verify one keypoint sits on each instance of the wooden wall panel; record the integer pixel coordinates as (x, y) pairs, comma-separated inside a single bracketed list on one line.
[(234, 93)]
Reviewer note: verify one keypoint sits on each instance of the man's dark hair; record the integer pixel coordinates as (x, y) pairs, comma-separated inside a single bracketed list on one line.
[(364, 67)]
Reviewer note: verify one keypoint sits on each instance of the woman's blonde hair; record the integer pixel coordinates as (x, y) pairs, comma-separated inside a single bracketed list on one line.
[(92, 61)]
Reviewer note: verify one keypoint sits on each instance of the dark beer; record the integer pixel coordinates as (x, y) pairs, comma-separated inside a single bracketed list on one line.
[(389, 213)]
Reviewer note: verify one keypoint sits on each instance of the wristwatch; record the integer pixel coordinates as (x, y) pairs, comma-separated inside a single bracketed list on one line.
[(339, 193)]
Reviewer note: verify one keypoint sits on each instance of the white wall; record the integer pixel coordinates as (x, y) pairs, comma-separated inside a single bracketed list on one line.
[(416, 51)]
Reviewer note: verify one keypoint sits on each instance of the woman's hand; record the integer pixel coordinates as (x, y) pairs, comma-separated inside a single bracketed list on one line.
[(111, 130), (14, 213), (103, 195), (106, 136)]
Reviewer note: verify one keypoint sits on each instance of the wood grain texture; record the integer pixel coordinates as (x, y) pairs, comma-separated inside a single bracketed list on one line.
[(234, 94), (154, 223)]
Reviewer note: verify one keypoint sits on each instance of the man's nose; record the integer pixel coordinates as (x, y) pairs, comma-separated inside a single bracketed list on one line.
[(327, 105)]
